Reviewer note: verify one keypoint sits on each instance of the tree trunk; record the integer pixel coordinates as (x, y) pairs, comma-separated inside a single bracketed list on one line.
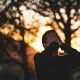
[(67, 25), (24, 57)]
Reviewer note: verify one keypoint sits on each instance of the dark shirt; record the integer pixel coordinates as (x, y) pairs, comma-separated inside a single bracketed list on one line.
[(50, 67)]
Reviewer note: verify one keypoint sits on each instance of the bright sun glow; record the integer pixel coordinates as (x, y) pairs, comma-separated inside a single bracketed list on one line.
[(33, 19), (37, 44)]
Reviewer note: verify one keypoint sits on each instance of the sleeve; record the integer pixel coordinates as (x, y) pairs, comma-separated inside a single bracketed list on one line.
[(69, 50)]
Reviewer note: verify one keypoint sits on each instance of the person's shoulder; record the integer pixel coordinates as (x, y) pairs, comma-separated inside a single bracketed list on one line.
[(40, 56), (37, 55)]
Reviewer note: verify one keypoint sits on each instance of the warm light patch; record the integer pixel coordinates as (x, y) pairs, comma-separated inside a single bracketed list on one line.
[(37, 45), (7, 29), (61, 25), (72, 12), (64, 17), (16, 35), (61, 35), (75, 43), (75, 25), (57, 16), (62, 10)]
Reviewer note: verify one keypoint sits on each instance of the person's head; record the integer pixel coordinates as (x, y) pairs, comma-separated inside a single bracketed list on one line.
[(49, 37)]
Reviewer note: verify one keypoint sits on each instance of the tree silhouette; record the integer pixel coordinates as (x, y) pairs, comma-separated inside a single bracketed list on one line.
[(4, 18), (62, 11)]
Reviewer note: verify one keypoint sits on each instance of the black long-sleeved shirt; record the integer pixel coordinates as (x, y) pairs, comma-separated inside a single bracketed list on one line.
[(50, 67)]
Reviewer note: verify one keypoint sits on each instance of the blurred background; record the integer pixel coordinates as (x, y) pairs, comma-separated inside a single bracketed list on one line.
[(22, 24)]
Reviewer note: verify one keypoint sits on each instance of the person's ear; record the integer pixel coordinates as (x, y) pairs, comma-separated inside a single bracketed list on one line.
[(44, 45)]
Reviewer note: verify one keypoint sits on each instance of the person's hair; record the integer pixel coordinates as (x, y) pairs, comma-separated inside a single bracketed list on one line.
[(44, 37), (49, 37)]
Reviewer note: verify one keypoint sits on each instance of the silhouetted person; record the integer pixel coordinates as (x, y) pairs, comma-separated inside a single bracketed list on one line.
[(49, 65)]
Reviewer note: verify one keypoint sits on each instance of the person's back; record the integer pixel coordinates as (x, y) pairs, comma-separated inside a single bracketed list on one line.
[(50, 67), (55, 67)]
